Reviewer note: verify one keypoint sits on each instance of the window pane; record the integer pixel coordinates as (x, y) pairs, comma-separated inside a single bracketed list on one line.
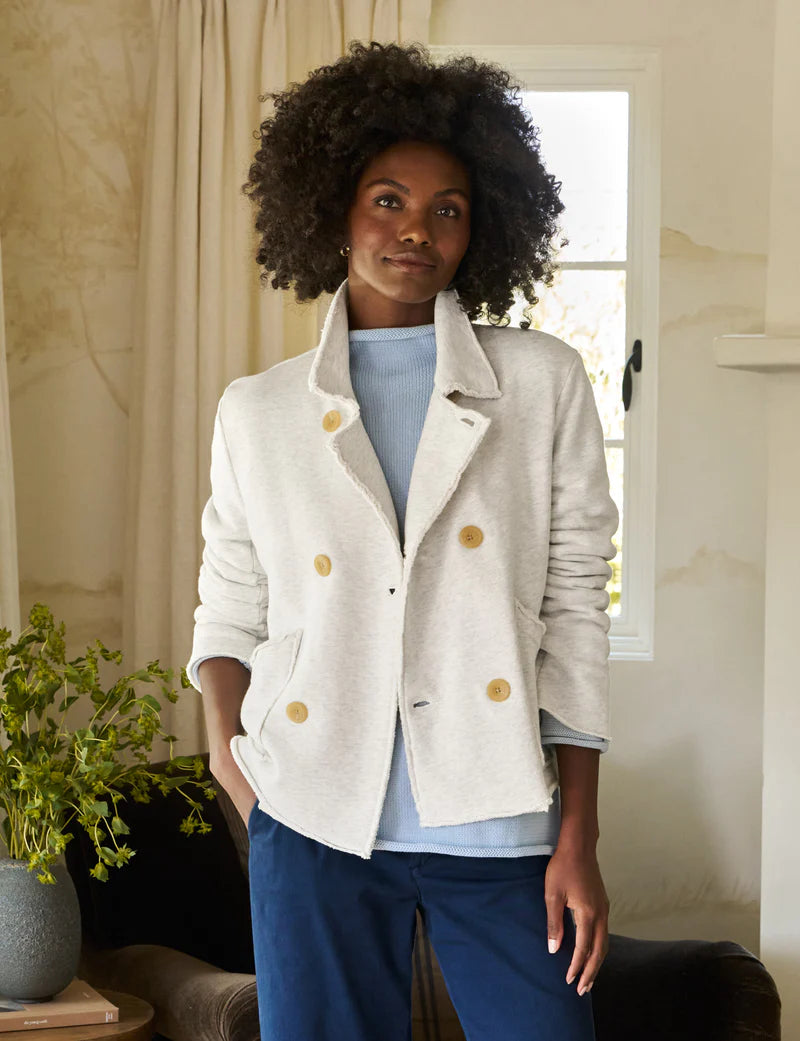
[(584, 144)]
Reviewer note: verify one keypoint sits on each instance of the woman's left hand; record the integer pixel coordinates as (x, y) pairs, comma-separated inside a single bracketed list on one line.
[(573, 878)]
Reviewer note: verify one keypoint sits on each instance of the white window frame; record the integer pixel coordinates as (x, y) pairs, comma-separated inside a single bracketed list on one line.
[(636, 70)]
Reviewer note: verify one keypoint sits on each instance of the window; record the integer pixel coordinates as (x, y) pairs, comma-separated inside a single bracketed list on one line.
[(597, 109)]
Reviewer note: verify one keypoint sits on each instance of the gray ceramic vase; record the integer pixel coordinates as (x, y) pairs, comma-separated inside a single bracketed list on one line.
[(40, 932)]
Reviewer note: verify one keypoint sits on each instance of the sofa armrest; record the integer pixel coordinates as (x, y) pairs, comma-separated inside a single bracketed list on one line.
[(193, 1001), (692, 990)]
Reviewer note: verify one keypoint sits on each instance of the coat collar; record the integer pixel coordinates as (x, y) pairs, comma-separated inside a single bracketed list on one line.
[(460, 360), (451, 433)]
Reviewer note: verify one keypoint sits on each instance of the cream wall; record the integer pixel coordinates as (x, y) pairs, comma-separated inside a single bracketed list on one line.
[(680, 801)]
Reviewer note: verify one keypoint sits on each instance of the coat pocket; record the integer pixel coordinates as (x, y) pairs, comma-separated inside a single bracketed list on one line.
[(531, 630), (271, 667), (530, 619)]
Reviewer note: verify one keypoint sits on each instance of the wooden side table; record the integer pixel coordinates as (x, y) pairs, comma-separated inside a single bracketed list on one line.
[(135, 1024)]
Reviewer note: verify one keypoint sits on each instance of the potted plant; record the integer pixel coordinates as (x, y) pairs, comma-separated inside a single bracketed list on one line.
[(54, 774)]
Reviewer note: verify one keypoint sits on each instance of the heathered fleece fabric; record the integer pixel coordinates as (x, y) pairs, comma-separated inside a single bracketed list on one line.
[(391, 370), (492, 608)]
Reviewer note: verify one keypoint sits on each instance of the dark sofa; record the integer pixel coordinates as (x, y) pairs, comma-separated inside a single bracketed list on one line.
[(173, 927)]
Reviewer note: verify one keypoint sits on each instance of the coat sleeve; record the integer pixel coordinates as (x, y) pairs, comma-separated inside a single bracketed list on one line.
[(572, 670), (231, 617)]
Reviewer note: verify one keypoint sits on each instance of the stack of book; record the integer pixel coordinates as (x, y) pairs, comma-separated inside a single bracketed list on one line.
[(77, 1004)]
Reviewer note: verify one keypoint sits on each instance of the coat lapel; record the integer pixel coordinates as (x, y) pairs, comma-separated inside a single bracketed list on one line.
[(450, 435)]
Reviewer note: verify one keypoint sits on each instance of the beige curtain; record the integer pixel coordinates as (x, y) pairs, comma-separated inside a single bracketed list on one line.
[(202, 318), (9, 572)]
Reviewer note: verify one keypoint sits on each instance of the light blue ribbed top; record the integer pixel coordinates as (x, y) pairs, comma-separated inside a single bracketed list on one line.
[(391, 370)]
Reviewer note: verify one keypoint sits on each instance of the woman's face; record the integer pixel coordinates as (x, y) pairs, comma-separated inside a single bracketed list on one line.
[(414, 197)]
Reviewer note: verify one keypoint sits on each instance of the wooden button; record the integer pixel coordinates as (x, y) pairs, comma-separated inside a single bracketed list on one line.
[(332, 419), (471, 536), (297, 711), (322, 564), (499, 689)]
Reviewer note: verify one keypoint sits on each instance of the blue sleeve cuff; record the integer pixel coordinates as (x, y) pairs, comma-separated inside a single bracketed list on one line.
[(554, 732)]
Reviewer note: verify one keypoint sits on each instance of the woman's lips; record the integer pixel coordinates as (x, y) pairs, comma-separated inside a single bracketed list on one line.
[(406, 265)]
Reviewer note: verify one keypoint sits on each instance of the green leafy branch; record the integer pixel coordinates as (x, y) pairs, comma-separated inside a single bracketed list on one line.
[(52, 775)]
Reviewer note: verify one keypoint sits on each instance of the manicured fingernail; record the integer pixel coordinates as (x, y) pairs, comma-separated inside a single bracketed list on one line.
[(552, 946), (572, 977)]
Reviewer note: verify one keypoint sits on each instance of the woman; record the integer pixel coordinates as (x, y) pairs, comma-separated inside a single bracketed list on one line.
[(407, 542)]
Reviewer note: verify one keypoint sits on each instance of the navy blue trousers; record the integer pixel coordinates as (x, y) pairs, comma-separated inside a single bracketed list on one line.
[(334, 934)]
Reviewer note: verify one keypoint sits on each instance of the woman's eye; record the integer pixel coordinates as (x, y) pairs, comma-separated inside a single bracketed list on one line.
[(393, 198)]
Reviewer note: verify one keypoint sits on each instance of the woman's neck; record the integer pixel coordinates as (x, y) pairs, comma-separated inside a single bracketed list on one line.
[(369, 309)]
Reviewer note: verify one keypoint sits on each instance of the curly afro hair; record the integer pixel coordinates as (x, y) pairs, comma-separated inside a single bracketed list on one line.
[(325, 130)]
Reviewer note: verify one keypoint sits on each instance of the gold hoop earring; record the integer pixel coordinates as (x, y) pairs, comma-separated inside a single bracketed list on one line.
[(345, 251)]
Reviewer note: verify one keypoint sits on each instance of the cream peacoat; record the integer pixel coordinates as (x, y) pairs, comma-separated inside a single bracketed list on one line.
[(495, 606)]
